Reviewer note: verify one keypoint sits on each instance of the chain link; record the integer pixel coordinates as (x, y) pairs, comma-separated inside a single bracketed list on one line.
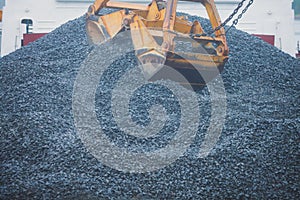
[(234, 23)]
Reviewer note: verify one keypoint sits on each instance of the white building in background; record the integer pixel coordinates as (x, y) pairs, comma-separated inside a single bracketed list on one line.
[(271, 17), (46, 15)]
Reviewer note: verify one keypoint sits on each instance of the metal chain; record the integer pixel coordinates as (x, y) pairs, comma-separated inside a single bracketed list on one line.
[(236, 21), (236, 10)]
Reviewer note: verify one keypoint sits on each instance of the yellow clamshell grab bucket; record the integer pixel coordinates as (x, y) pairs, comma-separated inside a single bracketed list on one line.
[(156, 33)]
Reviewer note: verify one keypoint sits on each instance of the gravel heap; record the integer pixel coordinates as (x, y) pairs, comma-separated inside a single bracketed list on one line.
[(257, 155)]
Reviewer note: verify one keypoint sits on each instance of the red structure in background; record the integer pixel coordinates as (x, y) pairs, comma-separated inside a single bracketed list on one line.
[(298, 48), (30, 37), (267, 38)]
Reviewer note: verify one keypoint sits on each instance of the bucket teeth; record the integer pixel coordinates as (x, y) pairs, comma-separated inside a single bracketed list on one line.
[(151, 63)]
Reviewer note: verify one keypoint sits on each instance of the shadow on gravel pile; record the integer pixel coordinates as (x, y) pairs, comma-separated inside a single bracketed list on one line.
[(257, 155)]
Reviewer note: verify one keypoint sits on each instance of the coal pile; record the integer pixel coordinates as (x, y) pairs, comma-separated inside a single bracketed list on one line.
[(257, 155)]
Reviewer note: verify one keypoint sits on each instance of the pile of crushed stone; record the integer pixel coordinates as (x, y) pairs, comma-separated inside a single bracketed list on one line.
[(257, 155)]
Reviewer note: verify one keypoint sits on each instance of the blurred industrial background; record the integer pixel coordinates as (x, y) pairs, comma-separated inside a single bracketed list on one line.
[(276, 21)]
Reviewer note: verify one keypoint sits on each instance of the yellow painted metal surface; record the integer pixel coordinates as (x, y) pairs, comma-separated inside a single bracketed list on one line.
[(155, 29)]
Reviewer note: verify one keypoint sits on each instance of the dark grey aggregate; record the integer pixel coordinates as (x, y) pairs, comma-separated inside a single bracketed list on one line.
[(257, 156)]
